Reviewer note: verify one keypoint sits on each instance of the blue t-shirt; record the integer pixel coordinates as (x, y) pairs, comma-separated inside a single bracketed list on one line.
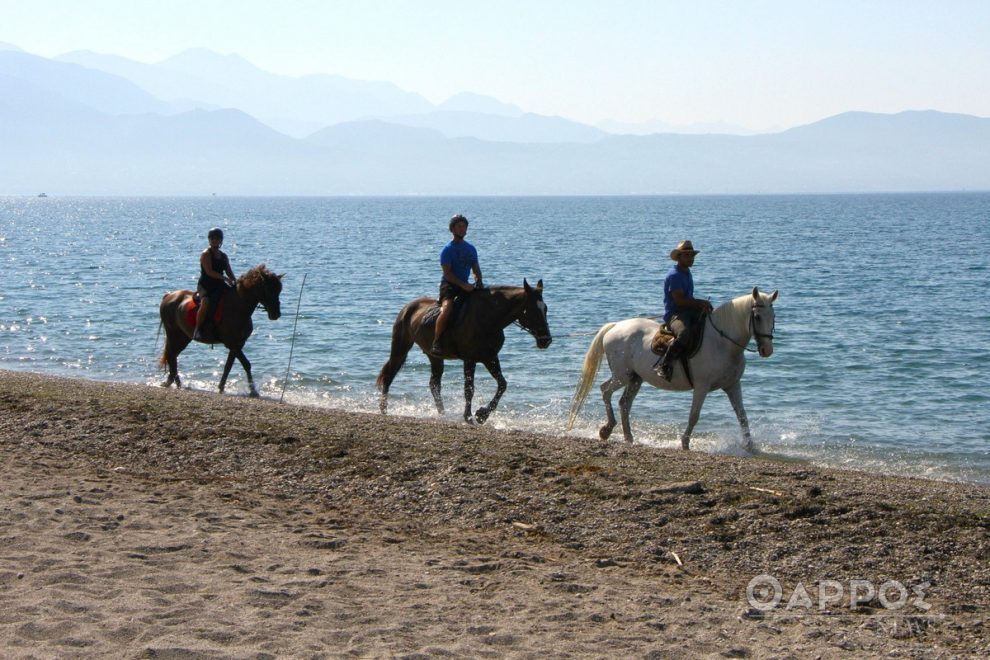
[(676, 280), (461, 256)]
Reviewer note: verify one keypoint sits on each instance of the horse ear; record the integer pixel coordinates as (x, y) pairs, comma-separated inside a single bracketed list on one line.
[(756, 294), (526, 286), (280, 276), (539, 285), (774, 296)]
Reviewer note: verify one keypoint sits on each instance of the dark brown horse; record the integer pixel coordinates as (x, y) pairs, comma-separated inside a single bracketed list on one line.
[(475, 335), (258, 286)]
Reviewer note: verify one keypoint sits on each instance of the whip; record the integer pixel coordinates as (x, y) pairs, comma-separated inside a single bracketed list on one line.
[(292, 344)]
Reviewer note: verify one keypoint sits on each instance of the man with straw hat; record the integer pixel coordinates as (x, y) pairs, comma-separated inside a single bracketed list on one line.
[(681, 310)]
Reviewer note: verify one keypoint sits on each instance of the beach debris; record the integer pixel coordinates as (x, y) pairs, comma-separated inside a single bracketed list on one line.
[(766, 490)]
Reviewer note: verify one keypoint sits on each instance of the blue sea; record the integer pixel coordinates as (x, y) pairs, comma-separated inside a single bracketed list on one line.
[(882, 345)]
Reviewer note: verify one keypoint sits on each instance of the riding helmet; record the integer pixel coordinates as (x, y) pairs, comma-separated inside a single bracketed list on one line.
[(457, 218), (216, 232)]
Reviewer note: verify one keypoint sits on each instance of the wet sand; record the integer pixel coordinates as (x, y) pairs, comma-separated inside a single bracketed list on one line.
[(144, 522)]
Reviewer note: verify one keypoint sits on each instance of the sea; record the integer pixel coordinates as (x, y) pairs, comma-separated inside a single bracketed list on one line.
[(881, 349)]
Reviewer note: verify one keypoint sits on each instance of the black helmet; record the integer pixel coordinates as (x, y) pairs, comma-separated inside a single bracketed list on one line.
[(216, 232), (457, 218)]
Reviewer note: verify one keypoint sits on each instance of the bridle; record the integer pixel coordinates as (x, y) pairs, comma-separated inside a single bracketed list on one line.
[(517, 322), (752, 326)]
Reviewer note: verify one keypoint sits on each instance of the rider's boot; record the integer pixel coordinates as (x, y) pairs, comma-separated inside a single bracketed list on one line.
[(665, 366)]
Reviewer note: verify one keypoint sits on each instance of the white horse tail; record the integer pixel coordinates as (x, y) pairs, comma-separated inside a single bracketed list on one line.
[(592, 359)]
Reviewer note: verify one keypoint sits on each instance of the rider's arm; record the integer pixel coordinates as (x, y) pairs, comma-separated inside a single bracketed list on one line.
[(229, 270), (448, 274), (477, 273), (684, 302)]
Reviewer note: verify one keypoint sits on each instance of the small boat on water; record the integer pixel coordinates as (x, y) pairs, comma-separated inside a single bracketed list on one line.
[(42, 195)]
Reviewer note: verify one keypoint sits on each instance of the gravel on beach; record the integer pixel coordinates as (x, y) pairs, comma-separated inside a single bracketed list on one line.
[(175, 523)]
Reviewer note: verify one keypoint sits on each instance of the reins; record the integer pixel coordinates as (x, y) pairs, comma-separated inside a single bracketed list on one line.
[(752, 326)]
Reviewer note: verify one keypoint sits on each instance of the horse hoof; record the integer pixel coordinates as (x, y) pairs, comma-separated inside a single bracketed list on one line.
[(253, 393), (482, 415), (604, 432), (686, 445)]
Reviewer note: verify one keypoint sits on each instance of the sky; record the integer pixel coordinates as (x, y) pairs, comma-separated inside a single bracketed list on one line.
[(758, 64)]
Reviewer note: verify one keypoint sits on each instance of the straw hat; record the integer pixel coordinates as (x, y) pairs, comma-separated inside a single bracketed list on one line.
[(683, 246)]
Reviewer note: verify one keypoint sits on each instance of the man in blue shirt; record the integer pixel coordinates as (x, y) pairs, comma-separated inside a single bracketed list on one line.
[(681, 310), (457, 259)]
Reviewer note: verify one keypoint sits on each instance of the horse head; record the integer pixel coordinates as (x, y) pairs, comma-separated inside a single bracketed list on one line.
[(533, 317), (266, 286), (762, 321)]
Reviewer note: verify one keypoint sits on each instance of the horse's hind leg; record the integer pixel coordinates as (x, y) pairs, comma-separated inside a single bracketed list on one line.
[(625, 405), (226, 369), (495, 369), (173, 346), (609, 387), (436, 374)]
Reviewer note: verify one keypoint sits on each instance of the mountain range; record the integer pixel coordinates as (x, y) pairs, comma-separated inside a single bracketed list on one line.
[(202, 123)]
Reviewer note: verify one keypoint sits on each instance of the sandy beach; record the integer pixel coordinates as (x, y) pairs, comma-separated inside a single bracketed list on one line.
[(143, 522)]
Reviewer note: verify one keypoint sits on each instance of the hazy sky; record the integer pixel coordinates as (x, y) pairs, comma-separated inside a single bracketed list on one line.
[(758, 64)]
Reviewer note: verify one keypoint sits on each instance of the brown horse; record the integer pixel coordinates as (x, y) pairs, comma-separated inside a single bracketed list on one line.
[(258, 286), (476, 335)]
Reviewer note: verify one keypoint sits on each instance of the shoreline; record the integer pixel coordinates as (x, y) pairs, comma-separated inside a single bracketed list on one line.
[(558, 545)]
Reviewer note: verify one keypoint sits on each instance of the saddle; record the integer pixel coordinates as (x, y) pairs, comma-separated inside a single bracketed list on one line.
[(661, 340), (190, 308), (456, 316)]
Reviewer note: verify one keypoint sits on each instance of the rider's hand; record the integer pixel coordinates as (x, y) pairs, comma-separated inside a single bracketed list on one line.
[(469, 287)]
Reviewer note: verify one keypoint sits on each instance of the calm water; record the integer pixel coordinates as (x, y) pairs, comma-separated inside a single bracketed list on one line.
[(883, 322)]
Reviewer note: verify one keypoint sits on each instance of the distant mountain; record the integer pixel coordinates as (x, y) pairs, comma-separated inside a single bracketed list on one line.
[(297, 105), (5, 46), (657, 126), (71, 129), (468, 102), (527, 127), (95, 89)]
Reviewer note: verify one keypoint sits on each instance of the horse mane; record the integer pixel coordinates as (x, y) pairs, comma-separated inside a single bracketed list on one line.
[(734, 313), (255, 276)]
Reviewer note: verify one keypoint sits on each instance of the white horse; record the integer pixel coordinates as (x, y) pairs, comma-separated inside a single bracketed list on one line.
[(719, 363)]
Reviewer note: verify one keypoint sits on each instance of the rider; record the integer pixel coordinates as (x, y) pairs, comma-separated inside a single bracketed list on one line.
[(457, 259), (215, 276), (681, 309)]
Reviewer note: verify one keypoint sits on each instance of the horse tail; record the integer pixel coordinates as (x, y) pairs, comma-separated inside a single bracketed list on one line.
[(401, 343), (592, 359), (163, 360)]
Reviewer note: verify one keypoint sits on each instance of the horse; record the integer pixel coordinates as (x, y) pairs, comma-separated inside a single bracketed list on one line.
[(258, 286), (475, 335), (718, 363)]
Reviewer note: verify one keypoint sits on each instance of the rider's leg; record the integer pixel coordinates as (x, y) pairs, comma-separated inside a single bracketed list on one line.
[(679, 326), (445, 308), (204, 304)]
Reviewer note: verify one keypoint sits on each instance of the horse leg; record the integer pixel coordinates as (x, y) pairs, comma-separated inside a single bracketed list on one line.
[(226, 369), (252, 391), (697, 401), (609, 387), (468, 388), (734, 392), (436, 373), (175, 343), (625, 405), (495, 369)]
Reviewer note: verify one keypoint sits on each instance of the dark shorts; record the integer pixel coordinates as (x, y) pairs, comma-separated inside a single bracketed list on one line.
[(448, 290)]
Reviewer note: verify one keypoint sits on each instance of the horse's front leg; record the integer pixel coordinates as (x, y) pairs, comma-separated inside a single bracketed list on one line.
[(468, 388), (436, 373), (247, 369), (698, 400), (231, 354), (734, 392), (495, 369)]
